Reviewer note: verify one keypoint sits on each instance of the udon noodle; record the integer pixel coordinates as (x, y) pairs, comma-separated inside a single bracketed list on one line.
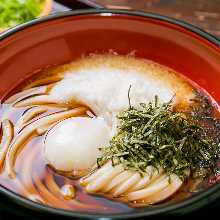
[(30, 115)]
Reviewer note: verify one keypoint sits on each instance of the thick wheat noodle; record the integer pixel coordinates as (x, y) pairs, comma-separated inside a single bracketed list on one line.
[(7, 136), (25, 93), (26, 171), (51, 184), (126, 185), (91, 177), (124, 182), (7, 113), (35, 100), (20, 187), (54, 188), (42, 130), (98, 184), (23, 191), (153, 188), (45, 81), (48, 197), (28, 115), (31, 130), (174, 184), (117, 180), (146, 180), (25, 176)]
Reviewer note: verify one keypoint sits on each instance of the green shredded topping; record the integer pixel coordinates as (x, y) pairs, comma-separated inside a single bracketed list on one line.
[(14, 12), (153, 134)]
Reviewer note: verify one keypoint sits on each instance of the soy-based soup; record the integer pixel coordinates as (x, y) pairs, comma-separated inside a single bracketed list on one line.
[(158, 133)]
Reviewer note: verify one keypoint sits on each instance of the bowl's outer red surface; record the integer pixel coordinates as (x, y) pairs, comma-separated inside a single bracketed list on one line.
[(64, 39)]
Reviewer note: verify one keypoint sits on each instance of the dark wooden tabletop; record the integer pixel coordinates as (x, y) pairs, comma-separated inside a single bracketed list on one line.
[(202, 13)]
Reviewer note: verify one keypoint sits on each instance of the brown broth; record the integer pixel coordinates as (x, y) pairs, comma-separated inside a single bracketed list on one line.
[(36, 181)]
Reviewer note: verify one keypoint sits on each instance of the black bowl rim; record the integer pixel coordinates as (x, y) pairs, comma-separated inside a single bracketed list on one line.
[(156, 210)]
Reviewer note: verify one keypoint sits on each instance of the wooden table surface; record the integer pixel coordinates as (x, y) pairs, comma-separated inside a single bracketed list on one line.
[(202, 13)]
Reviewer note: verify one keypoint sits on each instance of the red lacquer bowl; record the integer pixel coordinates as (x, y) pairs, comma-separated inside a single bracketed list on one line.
[(61, 38)]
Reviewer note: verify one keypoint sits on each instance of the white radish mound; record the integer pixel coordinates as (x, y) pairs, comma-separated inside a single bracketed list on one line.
[(102, 83)]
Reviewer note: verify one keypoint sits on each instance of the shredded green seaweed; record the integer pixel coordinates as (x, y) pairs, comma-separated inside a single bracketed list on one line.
[(153, 134)]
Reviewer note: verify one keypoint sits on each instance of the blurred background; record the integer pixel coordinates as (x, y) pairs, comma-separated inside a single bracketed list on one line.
[(203, 13)]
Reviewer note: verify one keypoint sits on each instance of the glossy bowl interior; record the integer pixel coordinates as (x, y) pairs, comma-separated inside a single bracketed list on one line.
[(62, 38)]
